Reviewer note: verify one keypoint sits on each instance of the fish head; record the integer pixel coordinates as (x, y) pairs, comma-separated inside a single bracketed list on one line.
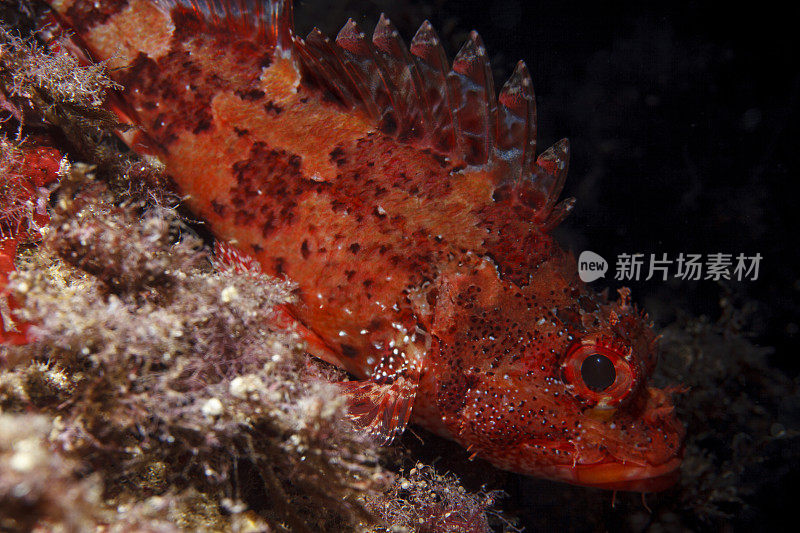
[(552, 380)]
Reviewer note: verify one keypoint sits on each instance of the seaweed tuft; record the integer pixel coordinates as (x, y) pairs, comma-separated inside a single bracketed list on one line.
[(40, 487), (428, 502)]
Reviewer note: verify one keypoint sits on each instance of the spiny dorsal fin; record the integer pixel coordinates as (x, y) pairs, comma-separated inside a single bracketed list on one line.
[(475, 104), (554, 162), (402, 71), (436, 91), (271, 21), (546, 183), (413, 93), (323, 60), (368, 71), (516, 121)]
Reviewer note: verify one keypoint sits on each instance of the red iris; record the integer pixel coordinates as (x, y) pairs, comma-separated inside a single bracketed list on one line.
[(600, 371)]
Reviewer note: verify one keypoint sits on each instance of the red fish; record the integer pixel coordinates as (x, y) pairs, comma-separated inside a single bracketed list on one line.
[(407, 202)]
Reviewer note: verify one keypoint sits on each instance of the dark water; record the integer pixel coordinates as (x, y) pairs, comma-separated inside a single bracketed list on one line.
[(683, 118)]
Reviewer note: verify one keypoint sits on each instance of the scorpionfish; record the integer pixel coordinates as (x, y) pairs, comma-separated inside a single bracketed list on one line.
[(405, 199)]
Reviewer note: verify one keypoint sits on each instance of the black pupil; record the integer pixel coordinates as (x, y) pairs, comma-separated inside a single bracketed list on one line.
[(598, 372)]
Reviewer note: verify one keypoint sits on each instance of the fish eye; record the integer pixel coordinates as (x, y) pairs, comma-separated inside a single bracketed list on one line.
[(598, 372)]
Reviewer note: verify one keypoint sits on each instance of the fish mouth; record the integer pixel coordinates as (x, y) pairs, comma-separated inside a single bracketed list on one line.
[(613, 475)]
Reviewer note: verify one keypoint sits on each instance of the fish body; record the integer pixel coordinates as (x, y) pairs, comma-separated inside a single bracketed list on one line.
[(407, 203)]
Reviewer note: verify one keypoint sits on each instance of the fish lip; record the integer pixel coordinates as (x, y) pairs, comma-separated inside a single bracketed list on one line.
[(615, 475)]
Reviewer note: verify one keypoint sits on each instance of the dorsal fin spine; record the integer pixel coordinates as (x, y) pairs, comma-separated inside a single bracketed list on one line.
[(322, 62), (433, 67), (272, 20), (282, 23), (402, 69), (475, 97), (555, 161), (516, 122), (367, 66), (357, 78)]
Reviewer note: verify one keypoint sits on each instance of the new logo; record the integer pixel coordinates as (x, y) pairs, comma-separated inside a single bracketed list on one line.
[(591, 266)]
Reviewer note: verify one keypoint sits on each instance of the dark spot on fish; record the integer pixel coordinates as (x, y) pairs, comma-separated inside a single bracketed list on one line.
[(204, 124), (279, 265), (265, 61), (256, 248), (337, 156), (242, 217), (273, 109), (158, 123), (355, 247), (338, 205), (349, 274), (420, 234), (240, 132), (267, 227), (304, 251), (295, 161), (329, 97), (250, 95), (348, 351), (218, 207)]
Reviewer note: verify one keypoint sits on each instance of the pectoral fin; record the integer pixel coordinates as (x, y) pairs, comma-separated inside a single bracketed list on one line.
[(383, 409)]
